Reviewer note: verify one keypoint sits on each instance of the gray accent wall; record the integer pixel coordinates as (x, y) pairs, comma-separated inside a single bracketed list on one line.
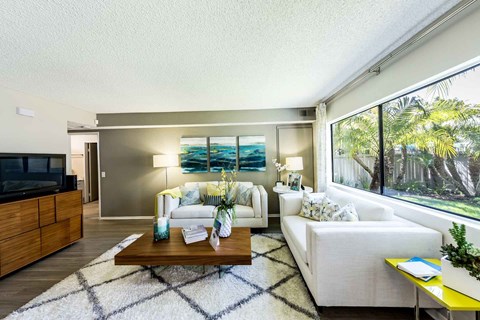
[(131, 182)]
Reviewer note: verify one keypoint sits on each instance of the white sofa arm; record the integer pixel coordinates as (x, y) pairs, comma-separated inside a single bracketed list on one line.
[(350, 257), (290, 204), (263, 201), (256, 203), (170, 205)]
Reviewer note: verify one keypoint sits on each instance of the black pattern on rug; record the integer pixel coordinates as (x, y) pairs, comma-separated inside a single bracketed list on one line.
[(271, 288)]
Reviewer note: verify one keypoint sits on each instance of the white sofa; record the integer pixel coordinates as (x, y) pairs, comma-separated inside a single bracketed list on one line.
[(343, 262), (255, 216)]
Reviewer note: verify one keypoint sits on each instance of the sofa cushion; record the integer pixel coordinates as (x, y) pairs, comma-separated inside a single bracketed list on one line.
[(212, 200), (243, 195), (296, 227), (346, 213), (193, 211), (190, 195), (318, 207), (215, 189), (244, 211), (202, 186), (240, 211), (367, 210)]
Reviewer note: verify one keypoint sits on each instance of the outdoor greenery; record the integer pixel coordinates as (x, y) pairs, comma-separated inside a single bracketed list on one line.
[(469, 207), (433, 134), (464, 254)]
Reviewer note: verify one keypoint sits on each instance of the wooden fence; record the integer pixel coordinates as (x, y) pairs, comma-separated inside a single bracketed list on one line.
[(348, 171)]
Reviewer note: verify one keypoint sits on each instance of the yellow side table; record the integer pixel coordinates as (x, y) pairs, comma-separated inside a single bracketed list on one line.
[(450, 299)]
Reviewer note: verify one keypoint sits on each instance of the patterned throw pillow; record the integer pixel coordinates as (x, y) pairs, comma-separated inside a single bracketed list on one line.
[(244, 195), (318, 208), (190, 195), (212, 200), (346, 213)]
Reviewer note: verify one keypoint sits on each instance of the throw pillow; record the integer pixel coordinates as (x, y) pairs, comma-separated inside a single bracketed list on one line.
[(214, 190), (346, 213), (190, 195), (318, 208), (212, 200), (243, 195)]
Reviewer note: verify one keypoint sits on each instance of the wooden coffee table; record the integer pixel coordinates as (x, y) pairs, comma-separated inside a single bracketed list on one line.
[(234, 250)]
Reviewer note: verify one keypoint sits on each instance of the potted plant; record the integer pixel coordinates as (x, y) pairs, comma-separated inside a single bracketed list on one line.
[(226, 210), (279, 167), (461, 264)]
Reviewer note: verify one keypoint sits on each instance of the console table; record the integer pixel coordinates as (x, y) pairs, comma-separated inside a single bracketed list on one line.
[(450, 299)]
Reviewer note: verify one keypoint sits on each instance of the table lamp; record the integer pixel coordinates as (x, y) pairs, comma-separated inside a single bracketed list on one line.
[(294, 163)]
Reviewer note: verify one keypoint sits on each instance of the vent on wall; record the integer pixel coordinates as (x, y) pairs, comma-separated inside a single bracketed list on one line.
[(304, 113)]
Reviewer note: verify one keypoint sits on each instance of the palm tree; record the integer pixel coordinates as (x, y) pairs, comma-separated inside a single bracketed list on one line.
[(358, 136)]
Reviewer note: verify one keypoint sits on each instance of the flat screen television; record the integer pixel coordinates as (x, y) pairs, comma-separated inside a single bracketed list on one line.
[(27, 175)]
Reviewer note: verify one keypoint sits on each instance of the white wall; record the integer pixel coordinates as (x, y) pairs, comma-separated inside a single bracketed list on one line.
[(44, 133)]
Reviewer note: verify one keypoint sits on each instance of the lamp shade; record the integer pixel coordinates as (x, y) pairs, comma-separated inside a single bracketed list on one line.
[(294, 163), (165, 160)]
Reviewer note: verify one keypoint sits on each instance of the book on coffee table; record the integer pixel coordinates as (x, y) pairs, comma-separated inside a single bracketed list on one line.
[(195, 233)]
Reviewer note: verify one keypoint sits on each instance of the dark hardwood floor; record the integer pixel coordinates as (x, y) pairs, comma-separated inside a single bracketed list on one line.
[(20, 287)]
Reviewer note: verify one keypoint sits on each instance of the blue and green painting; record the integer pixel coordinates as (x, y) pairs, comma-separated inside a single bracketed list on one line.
[(223, 154), (251, 151), (193, 155)]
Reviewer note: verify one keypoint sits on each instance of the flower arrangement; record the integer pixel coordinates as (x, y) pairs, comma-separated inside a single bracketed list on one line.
[(464, 254), (279, 167), (227, 204)]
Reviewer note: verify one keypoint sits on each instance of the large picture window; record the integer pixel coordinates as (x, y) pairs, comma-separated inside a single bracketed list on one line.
[(430, 139), (356, 151)]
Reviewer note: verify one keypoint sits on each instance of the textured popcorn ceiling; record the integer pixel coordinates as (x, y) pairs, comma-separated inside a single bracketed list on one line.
[(164, 55)]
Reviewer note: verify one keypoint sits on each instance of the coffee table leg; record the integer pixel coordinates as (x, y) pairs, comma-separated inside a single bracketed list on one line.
[(220, 272), (152, 272)]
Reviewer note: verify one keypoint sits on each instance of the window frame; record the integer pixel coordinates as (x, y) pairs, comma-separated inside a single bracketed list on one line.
[(380, 105)]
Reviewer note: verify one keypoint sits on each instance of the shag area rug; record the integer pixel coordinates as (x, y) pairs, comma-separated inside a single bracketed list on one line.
[(271, 288)]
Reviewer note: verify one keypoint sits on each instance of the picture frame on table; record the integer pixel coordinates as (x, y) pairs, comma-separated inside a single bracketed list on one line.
[(215, 235), (296, 181)]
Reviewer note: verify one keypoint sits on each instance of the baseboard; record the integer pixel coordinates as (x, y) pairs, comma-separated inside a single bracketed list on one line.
[(128, 218)]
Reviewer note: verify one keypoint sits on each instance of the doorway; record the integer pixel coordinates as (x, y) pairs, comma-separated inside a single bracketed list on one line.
[(85, 165)]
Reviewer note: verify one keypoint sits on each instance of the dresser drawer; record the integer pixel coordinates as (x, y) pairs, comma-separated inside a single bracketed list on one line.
[(19, 251)]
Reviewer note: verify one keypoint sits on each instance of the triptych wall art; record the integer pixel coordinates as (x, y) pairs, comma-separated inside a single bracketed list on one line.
[(245, 153)]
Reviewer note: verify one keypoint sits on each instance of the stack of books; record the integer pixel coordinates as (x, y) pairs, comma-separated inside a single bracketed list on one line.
[(420, 268), (193, 234)]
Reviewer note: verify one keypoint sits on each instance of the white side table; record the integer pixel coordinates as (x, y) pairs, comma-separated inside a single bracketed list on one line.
[(286, 189)]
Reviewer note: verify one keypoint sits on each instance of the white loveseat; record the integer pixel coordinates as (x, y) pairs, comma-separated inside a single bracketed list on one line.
[(255, 216), (343, 262)]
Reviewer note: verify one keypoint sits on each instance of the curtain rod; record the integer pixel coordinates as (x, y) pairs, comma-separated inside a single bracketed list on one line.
[(376, 68)]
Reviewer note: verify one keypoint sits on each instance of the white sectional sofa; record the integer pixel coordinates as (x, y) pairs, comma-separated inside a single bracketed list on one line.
[(255, 216), (343, 262)]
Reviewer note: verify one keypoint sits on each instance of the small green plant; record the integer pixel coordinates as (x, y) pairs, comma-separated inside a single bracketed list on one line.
[(464, 254)]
